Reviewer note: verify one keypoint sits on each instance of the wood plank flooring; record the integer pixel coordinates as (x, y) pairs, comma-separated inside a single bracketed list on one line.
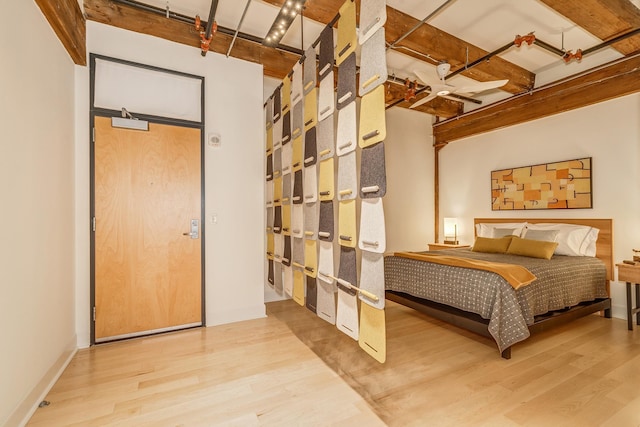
[(293, 368)]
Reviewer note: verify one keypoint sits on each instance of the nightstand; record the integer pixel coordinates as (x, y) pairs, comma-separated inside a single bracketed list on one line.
[(440, 246), (631, 274)]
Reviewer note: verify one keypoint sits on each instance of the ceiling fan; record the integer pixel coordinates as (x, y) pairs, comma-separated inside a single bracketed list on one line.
[(441, 88)]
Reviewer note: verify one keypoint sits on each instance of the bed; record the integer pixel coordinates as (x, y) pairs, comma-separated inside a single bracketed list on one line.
[(487, 302)]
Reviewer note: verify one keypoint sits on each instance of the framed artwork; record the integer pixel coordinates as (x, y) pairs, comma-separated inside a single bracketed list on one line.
[(558, 185)]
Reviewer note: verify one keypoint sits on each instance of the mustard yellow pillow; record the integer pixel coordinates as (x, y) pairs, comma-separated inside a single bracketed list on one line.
[(491, 245), (531, 248)]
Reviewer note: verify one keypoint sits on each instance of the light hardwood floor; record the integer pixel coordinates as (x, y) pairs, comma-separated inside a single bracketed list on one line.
[(292, 368)]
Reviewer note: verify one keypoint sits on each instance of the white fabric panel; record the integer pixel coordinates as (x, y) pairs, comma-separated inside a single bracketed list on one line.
[(120, 86)]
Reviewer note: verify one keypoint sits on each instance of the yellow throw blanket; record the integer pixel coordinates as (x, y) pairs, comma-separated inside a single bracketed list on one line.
[(516, 275)]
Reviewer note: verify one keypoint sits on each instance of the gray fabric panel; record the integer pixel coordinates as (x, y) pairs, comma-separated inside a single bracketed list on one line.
[(347, 176), (373, 63), (347, 82), (310, 70), (348, 269), (373, 15), (287, 272), (286, 189), (326, 98), (326, 263), (269, 113), (286, 255), (277, 278), (561, 282), (270, 273), (347, 314), (277, 162), (277, 134), (373, 171), (347, 133), (312, 294), (298, 197), (297, 252), (286, 128), (277, 220), (277, 106), (326, 223), (297, 120), (310, 147), (287, 156), (296, 84), (326, 52), (372, 278), (311, 184), (269, 175), (372, 231), (269, 195), (326, 138), (270, 217), (297, 221), (311, 219), (326, 303)]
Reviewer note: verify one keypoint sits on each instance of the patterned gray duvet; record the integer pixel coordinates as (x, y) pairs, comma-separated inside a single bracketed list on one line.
[(561, 282)]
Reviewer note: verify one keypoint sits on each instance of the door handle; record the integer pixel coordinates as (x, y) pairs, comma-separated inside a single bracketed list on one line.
[(195, 229)]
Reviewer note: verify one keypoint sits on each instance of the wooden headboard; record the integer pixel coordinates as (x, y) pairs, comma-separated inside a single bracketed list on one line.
[(604, 245)]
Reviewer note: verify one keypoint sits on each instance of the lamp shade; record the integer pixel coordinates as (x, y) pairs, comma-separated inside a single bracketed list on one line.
[(450, 226)]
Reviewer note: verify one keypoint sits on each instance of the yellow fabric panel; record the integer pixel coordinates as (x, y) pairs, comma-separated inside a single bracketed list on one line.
[(296, 156), (286, 220), (373, 125), (311, 109), (270, 245), (298, 286), (277, 191), (310, 258), (286, 94), (373, 335), (347, 232), (326, 183), (269, 141), (347, 37)]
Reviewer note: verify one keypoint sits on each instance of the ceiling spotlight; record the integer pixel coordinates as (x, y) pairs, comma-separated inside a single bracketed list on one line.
[(281, 24)]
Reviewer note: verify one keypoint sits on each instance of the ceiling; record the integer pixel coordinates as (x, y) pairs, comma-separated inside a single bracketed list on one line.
[(461, 32)]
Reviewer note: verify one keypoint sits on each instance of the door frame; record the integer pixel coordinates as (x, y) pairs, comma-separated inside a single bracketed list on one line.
[(103, 112)]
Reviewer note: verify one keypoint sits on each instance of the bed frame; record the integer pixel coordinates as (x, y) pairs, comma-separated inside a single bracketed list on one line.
[(474, 323)]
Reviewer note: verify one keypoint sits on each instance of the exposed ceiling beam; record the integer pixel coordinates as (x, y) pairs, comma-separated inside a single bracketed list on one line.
[(276, 63), (66, 19), (618, 78), (604, 19), (429, 40)]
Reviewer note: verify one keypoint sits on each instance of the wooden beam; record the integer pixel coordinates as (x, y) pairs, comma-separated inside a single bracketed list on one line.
[(604, 19), (428, 40), (67, 21), (276, 63), (618, 78)]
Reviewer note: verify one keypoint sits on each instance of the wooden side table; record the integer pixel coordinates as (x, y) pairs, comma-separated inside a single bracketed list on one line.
[(631, 274), (440, 246)]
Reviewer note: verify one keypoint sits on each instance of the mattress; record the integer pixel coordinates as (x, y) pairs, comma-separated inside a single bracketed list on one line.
[(561, 282)]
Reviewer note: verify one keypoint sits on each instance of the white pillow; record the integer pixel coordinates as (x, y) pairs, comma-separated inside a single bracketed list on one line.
[(544, 235), (573, 240), (485, 229)]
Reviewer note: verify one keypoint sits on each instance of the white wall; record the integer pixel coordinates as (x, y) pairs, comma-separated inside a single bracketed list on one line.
[(234, 173), (408, 204), (36, 213), (609, 132)]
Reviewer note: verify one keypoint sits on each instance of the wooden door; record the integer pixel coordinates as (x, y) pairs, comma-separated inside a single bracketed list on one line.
[(147, 191)]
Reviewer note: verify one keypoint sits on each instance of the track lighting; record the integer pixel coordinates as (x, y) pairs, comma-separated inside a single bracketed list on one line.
[(288, 12)]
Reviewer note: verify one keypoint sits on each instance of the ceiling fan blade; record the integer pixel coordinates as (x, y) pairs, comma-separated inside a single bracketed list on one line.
[(424, 100), (481, 86), (424, 78)]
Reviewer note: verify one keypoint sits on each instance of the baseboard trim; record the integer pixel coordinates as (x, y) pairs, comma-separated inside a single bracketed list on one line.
[(29, 405)]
